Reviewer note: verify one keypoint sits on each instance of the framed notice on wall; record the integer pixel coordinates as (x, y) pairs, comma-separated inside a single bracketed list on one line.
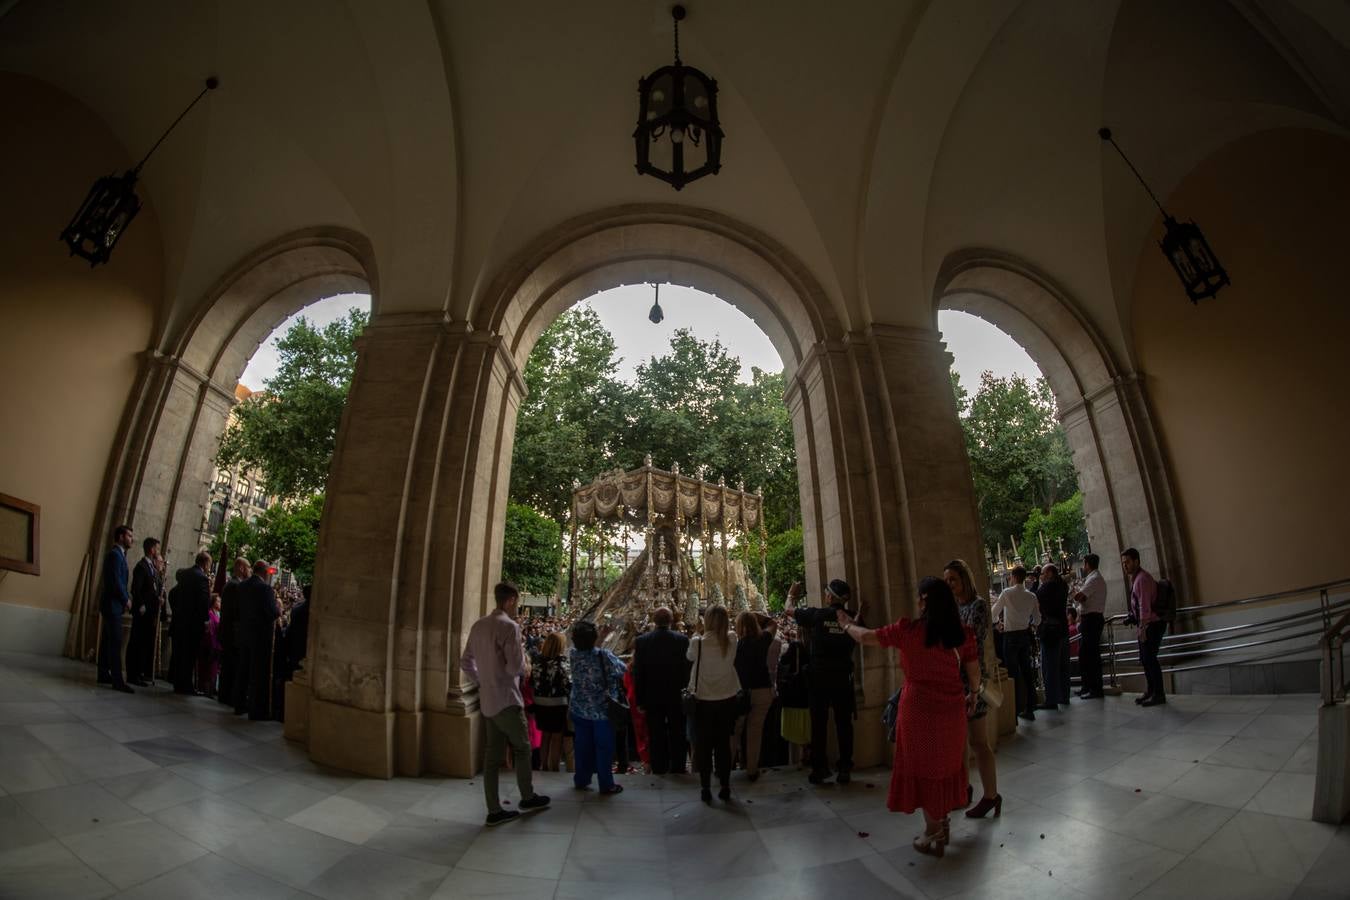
[(19, 532)]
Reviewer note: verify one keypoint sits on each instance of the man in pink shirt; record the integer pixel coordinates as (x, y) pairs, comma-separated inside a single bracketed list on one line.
[(494, 658), (1143, 594)]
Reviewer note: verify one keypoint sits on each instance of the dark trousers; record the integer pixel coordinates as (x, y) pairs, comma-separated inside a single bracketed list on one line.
[(251, 684), (714, 721), (229, 669), (593, 750), (110, 649), (1090, 651), (1017, 656), (183, 664), (825, 693), (1149, 645), (141, 646), (1055, 662), (665, 737)]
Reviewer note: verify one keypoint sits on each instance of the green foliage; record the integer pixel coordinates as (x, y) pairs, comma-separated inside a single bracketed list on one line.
[(289, 534), (242, 537), (1019, 455), (290, 429), (1064, 520), (532, 553), (573, 414), (786, 563), (687, 407)]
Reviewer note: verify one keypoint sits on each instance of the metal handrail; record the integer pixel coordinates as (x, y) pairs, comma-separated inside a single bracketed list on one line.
[(1189, 638), (1189, 645), (1332, 645)]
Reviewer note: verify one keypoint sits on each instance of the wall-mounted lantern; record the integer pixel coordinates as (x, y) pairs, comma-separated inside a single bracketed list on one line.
[(1183, 243), (112, 203)]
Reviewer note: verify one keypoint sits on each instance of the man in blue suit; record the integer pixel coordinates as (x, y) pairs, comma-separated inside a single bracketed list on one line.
[(112, 603)]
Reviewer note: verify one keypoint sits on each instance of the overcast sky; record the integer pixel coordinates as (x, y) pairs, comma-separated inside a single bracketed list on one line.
[(974, 343)]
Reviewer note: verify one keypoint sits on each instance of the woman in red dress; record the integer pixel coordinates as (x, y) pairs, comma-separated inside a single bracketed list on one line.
[(930, 734)]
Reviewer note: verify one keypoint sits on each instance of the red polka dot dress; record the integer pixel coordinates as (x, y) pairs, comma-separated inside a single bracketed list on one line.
[(930, 733)]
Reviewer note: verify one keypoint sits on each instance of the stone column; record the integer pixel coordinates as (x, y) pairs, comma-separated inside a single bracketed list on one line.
[(357, 641)]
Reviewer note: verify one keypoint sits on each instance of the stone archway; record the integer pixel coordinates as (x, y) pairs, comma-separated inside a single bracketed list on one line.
[(184, 390), (411, 544), (1127, 497)]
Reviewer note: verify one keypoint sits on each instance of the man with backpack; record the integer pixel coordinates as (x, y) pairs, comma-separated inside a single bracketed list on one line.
[(1150, 616)]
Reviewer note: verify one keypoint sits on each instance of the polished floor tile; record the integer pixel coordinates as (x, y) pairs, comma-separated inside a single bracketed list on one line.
[(157, 795)]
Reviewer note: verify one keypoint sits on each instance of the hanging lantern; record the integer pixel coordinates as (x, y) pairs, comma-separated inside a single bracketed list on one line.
[(112, 203), (678, 136), (656, 314), (1183, 244)]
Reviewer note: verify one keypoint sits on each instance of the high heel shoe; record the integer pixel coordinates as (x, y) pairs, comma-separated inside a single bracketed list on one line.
[(981, 809), (933, 843)]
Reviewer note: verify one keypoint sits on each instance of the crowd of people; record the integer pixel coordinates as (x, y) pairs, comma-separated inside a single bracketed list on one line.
[(714, 695), (237, 640), (708, 696)]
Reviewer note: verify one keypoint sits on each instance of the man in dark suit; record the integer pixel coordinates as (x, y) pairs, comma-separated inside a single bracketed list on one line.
[(189, 602), (258, 614), (146, 586), (112, 603), (229, 630), (660, 673)]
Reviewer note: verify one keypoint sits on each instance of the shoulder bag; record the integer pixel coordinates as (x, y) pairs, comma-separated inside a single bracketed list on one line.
[(688, 696), (620, 716)]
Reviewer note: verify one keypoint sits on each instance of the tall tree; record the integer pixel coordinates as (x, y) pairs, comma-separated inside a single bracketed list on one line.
[(289, 430), (574, 415), (1019, 455)]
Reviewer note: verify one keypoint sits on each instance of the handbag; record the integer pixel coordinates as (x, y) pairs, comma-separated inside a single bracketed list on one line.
[(795, 725), (689, 698), (620, 716), (890, 713)]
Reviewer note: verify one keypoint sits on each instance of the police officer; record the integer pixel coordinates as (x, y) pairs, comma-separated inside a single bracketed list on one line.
[(829, 678)]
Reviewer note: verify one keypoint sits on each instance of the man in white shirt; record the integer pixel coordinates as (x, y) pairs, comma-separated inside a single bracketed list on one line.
[(1018, 611), (1091, 599)]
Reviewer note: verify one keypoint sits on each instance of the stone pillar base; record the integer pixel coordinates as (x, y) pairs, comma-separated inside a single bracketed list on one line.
[(1331, 797), (296, 726), (453, 744), (355, 740)]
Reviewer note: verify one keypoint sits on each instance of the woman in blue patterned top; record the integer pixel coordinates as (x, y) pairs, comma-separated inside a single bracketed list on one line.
[(597, 675)]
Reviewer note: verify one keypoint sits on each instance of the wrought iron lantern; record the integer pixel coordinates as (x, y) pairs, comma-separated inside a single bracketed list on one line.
[(678, 135), (656, 314), (1183, 244), (112, 203)]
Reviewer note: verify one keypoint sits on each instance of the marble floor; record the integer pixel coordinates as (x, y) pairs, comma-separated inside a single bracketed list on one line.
[(154, 795)]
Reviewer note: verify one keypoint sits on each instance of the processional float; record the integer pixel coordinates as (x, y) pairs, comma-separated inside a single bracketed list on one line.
[(673, 511)]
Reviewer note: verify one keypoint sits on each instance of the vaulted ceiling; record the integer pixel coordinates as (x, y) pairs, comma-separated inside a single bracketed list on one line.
[(872, 138)]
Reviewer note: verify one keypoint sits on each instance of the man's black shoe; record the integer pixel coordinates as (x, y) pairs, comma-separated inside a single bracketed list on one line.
[(842, 777), (500, 816), (538, 801), (817, 777), (1091, 696), (123, 688), (1155, 701), (1141, 699), (138, 682)]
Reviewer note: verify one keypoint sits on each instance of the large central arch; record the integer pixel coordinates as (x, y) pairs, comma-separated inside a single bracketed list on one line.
[(411, 544)]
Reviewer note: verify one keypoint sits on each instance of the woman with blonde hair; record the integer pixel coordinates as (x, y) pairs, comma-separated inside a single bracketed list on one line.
[(975, 615), (714, 684), (552, 683), (757, 652)]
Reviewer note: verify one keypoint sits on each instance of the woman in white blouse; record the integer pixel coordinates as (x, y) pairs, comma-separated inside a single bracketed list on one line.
[(714, 683)]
